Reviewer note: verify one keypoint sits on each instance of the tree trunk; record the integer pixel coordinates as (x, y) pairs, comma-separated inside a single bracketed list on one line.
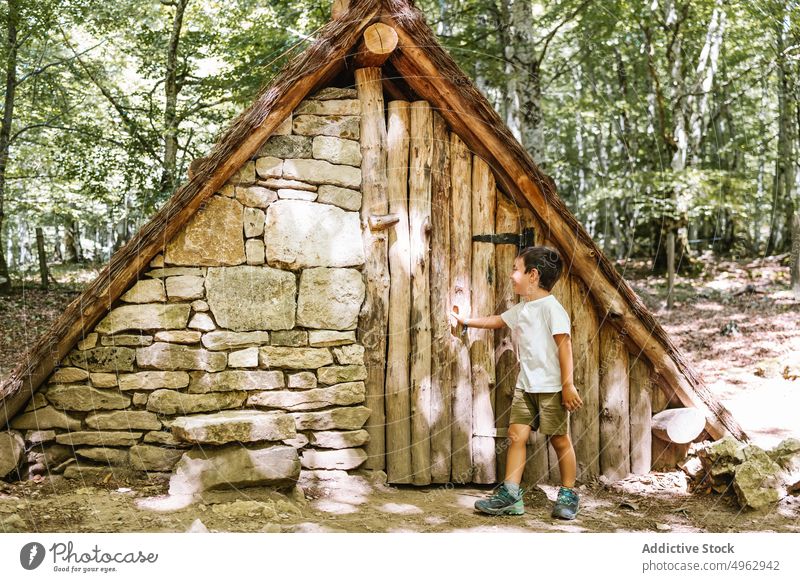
[(670, 269), (795, 255), (5, 129), (524, 91), (72, 249), (783, 179), (171, 90), (42, 256)]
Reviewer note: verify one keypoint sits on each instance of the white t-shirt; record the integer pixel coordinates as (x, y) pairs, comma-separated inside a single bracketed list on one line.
[(533, 325)]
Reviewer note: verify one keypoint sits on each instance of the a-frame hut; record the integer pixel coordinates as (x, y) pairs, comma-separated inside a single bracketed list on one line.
[(288, 306)]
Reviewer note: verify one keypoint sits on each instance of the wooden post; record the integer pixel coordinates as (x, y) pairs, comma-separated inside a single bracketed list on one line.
[(374, 315), (460, 262), (398, 398), (641, 413), (419, 208), (585, 422), (536, 465), (562, 291), (481, 349), (615, 431), (441, 377), (42, 256), (507, 366)]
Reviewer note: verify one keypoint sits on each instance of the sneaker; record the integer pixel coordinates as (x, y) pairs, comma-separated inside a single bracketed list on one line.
[(566, 506), (501, 502)]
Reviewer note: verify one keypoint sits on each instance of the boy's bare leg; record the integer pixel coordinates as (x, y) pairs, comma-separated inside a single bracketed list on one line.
[(515, 459), (566, 458)]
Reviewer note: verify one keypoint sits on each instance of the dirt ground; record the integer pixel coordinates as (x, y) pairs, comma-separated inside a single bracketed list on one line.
[(657, 502), (737, 324)]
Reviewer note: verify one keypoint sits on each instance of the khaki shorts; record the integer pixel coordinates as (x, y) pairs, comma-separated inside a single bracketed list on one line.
[(541, 411)]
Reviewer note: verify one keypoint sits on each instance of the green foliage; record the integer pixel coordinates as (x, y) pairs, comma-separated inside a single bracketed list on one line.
[(615, 78)]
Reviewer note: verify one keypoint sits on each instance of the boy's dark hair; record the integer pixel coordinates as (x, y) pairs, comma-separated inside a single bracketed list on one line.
[(547, 261)]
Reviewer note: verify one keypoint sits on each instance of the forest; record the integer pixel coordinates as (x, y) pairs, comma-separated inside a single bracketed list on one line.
[(670, 128), (666, 124)]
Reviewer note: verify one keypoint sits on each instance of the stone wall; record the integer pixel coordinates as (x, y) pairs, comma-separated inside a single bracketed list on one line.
[(252, 307)]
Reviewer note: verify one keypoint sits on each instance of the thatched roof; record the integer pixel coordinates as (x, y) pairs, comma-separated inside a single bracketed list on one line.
[(419, 57)]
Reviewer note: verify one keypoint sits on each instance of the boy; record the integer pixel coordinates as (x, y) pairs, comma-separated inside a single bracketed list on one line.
[(545, 392)]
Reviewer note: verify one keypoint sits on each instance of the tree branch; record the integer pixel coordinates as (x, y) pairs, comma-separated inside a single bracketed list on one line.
[(129, 123), (41, 70), (550, 35), (199, 107)]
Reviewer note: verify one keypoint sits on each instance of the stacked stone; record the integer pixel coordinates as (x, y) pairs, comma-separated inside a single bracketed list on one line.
[(252, 308)]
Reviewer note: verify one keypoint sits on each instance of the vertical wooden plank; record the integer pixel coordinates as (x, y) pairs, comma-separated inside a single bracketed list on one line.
[(419, 209), (441, 382), (506, 363), (562, 292), (659, 399), (460, 280), (536, 466), (615, 430), (481, 350), (374, 316), (398, 397), (585, 422), (640, 417)]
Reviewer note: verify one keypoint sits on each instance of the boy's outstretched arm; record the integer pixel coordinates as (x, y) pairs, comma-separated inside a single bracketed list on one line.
[(490, 322), (569, 394)]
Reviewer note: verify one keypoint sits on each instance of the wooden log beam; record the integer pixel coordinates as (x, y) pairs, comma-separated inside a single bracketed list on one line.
[(374, 316), (641, 416), (419, 210), (394, 91), (383, 222), (615, 430), (460, 263), (516, 177), (398, 398), (376, 46), (339, 8), (441, 349), (481, 349), (678, 425)]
